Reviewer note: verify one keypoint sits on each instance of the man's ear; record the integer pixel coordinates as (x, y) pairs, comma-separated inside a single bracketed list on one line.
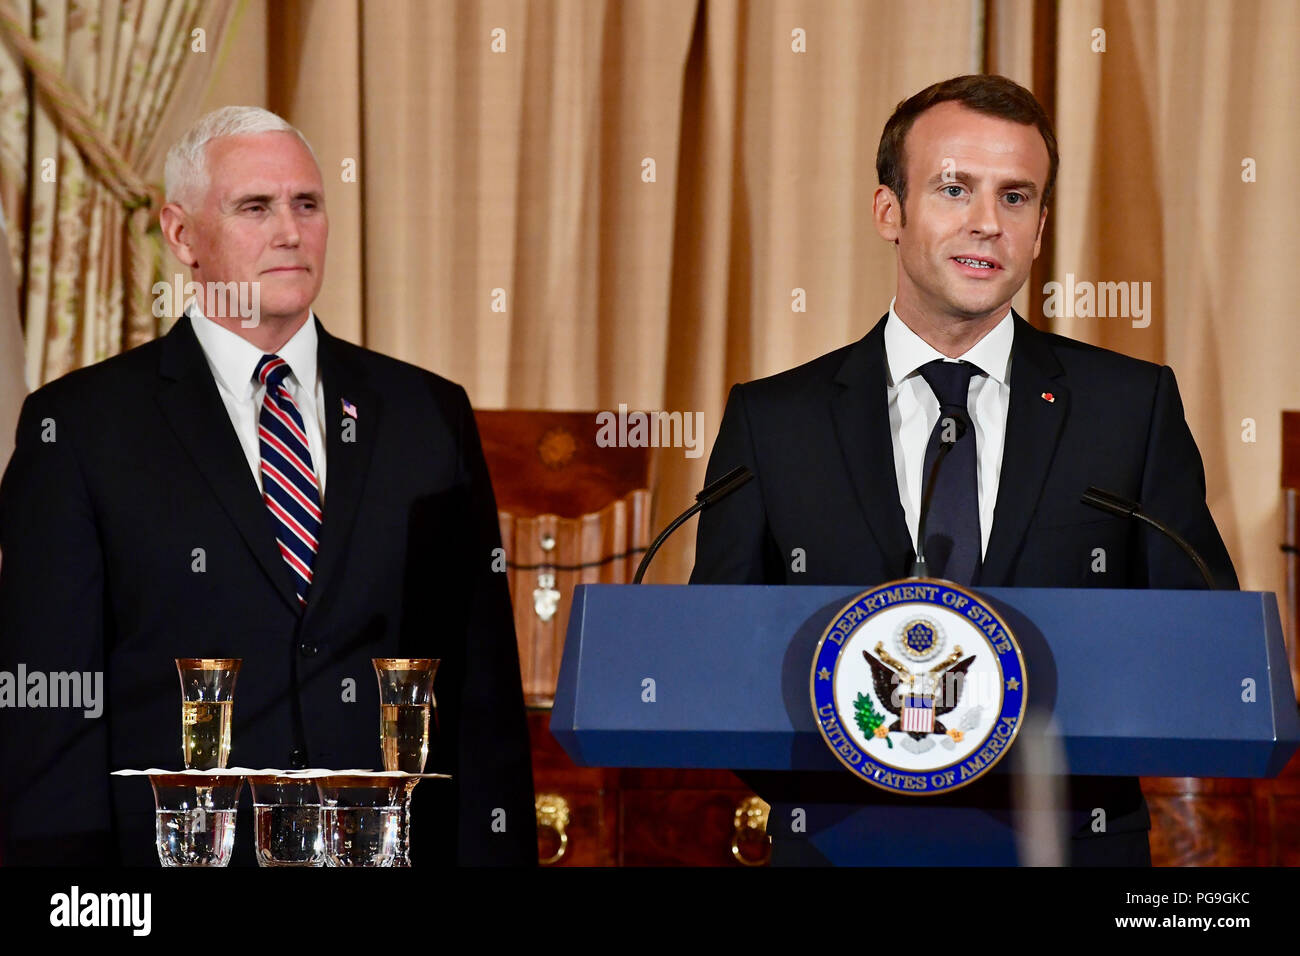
[(177, 231), (1038, 240), (887, 213)]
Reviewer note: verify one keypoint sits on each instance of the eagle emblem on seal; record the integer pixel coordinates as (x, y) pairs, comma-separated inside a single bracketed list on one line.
[(916, 701)]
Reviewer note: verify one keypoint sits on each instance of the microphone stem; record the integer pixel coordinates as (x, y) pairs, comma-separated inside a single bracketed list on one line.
[(920, 567), (1183, 543), (713, 493), (1120, 507), (655, 545)]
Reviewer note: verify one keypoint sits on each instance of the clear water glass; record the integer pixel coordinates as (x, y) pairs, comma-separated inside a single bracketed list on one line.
[(287, 821), (360, 819), (195, 818)]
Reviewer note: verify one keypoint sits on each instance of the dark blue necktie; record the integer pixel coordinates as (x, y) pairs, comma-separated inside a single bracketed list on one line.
[(952, 530)]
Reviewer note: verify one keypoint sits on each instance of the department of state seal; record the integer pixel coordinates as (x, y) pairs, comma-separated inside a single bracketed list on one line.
[(918, 687)]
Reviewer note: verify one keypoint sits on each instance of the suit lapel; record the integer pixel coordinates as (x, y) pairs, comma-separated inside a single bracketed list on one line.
[(860, 409), (352, 414), (1034, 426), (194, 411)]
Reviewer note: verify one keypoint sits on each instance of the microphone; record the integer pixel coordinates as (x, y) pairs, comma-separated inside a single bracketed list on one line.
[(920, 568), (1112, 503), (711, 495)]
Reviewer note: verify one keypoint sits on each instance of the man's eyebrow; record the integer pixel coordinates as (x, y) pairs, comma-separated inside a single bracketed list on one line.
[(1026, 186), (266, 198), (263, 198)]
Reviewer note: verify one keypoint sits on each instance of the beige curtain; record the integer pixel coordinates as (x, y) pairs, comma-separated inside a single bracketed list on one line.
[(80, 158), (580, 204), (13, 387), (1176, 149), (502, 228)]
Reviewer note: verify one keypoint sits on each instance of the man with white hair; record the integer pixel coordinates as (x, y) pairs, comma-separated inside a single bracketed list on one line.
[(173, 501)]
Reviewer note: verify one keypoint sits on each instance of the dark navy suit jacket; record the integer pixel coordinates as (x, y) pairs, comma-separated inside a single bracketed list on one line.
[(817, 438), (99, 530)]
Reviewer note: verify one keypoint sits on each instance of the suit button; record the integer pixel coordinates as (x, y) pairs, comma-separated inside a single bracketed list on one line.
[(298, 760), (308, 650)]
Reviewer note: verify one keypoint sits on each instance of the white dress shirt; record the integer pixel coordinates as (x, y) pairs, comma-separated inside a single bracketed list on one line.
[(233, 361), (914, 409)]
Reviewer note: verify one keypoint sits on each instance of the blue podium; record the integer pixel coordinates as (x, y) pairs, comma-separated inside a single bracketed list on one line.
[(1121, 683)]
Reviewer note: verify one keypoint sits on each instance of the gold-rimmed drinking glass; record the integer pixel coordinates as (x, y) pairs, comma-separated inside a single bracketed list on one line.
[(207, 699), (287, 821), (195, 818), (360, 819), (406, 707)]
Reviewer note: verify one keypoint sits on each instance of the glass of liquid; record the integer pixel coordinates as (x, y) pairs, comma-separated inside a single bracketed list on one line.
[(360, 819), (195, 818), (287, 821), (406, 705), (207, 697)]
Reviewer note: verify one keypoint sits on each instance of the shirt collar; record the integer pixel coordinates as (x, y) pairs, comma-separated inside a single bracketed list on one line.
[(233, 359), (905, 351)]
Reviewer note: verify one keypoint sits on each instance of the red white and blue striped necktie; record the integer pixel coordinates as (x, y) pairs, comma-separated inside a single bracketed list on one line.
[(289, 485)]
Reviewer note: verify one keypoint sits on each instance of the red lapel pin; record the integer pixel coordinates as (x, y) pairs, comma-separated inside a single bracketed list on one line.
[(1049, 397)]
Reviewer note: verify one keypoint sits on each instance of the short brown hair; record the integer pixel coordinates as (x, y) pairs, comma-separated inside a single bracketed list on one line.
[(982, 92)]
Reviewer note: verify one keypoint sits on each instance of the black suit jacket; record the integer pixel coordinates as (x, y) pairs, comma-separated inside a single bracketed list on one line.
[(100, 531), (817, 438)]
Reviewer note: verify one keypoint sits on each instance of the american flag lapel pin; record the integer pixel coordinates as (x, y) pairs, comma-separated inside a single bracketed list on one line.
[(1047, 397), (349, 409)]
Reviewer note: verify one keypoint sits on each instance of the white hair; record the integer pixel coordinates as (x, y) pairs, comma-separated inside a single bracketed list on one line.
[(186, 170)]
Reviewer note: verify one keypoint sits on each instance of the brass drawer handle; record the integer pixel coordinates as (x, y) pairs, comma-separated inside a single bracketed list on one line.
[(553, 815), (750, 826)]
